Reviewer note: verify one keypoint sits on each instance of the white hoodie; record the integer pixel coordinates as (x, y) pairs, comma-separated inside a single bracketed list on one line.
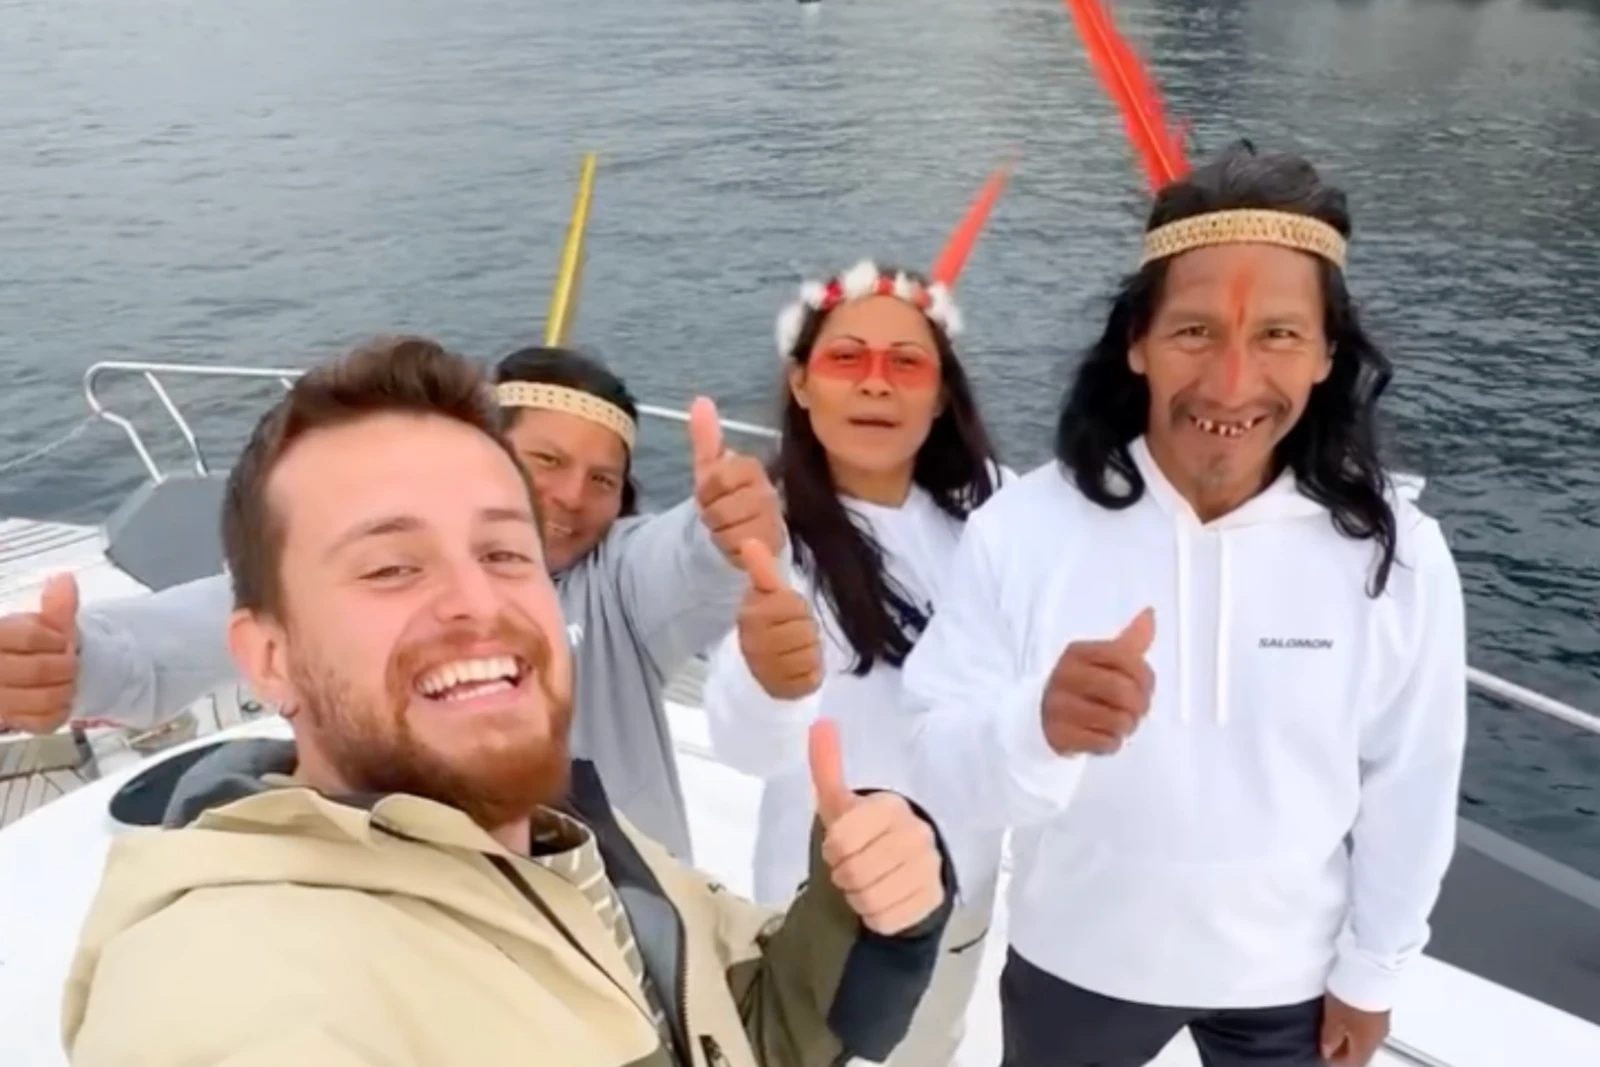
[(1279, 824), (766, 737)]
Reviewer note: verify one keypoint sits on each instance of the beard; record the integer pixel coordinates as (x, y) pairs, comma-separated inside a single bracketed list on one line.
[(503, 771)]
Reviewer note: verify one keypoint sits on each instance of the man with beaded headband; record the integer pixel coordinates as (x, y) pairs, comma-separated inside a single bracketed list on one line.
[(641, 594), (1208, 664)]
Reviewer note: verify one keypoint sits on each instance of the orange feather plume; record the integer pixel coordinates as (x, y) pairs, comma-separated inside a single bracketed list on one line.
[(1158, 146), (956, 250)]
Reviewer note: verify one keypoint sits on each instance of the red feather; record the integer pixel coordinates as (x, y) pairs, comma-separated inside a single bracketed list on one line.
[(1158, 146), (954, 255)]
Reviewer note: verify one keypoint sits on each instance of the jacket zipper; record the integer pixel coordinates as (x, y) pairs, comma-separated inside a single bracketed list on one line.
[(713, 1051), (708, 1044), (511, 875)]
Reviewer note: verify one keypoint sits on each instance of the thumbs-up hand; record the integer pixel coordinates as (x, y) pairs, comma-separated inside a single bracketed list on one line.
[(882, 855), (777, 633), (737, 501), (39, 660), (1100, 690)]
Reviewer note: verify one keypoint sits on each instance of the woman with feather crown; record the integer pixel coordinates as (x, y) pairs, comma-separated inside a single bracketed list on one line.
[(883, 456)]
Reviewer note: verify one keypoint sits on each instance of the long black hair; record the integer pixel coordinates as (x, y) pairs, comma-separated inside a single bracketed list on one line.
[(574, 370), (956, 466), (1333, 449)]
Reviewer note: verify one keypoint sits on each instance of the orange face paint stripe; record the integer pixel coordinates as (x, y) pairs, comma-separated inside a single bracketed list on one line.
[(1239, 287)]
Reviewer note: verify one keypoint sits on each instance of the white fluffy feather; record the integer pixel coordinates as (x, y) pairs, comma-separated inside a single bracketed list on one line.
[(942, 309), (790, 319), (860, 280)]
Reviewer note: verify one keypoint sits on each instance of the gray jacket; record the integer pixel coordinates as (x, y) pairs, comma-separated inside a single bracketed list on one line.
[(654, 593)]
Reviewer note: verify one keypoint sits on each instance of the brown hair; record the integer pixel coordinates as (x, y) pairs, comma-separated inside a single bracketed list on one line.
[(387, 375)]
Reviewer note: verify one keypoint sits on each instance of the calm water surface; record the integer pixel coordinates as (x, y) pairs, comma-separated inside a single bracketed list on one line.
[(265, 180)]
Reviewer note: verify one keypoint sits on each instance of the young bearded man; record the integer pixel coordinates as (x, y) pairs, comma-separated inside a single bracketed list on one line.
[(422, 876), (642, 594)]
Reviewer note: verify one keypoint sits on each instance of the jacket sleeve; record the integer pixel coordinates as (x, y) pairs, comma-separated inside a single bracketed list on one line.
[(1411, 752), (153, 997), (979, 751), (145, 658), (677, 588), (813, 986)]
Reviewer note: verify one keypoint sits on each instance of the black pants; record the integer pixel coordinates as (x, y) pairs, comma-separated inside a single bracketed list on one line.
[(1051, 1023)]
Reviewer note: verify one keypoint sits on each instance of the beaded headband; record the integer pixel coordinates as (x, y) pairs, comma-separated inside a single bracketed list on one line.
[(546, 397), (1285, 229), (865, 279)]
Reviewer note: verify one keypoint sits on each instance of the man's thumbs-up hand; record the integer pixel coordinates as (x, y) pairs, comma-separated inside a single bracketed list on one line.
[(778, 635), (883, 856), (1100, 690), (737, 501), (39, 660)]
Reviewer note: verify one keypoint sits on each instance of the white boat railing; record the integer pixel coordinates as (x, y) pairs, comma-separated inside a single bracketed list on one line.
[(1490, 684), (285, 377)]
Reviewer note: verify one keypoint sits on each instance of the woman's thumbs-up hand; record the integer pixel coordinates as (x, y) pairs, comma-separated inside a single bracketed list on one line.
[(777, 634)]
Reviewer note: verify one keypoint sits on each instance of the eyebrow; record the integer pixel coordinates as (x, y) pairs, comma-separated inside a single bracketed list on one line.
[(1178, 310), (864, 341), (541, 444), (390, 525)]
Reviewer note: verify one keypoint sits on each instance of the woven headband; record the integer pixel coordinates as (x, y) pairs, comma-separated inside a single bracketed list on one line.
[(570, 401), (1248, 226)]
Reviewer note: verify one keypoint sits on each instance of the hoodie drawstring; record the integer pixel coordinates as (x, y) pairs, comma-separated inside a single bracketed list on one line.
[(1185, 565), (1181, 623), (1221, 695)]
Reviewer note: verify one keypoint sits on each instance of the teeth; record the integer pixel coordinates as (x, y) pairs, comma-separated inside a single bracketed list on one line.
[(461, 672), (560, 531), (1226, 429)]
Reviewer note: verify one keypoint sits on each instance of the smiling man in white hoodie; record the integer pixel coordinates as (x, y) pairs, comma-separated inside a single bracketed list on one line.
[(1208, 664)]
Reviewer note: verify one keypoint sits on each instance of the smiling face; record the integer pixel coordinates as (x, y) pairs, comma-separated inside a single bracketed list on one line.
[(419, 648), (579, 469), (872, 387), (1231, 356)]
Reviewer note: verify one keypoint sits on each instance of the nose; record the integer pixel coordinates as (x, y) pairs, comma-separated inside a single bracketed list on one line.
[(875, 382), (468, 594), (563, 488), (1234, 373), (874, 385)]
